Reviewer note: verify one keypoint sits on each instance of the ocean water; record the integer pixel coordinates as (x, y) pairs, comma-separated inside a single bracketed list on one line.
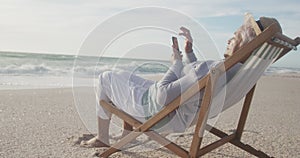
[(29, 70)]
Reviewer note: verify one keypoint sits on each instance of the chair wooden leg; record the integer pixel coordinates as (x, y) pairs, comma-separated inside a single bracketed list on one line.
[(244, 113), (198, 136), (202, 119), (250, 149), (233, 141), (132, 122)]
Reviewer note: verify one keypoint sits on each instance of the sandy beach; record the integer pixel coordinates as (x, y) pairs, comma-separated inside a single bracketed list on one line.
[(45, 123)]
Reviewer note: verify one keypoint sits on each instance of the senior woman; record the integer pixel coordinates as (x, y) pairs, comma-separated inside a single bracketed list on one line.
[(142, 98)]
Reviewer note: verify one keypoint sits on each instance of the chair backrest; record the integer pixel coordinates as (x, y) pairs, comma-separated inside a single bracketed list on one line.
[(228, 93), (250, 72)]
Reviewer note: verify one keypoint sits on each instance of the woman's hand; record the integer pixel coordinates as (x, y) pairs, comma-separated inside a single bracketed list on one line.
[(176, 55), (186, 33), (188, 39)]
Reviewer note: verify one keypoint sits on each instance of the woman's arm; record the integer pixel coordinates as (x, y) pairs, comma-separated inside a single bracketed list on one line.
[(172, 74), (190, 57), (170, 86), (172, 83), (170, 78), (174, 71)]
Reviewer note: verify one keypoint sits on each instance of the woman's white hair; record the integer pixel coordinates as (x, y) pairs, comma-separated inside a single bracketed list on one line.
[(247, 31)]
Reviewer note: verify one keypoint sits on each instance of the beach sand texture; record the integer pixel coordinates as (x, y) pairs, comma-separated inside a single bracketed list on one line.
[(45, 123)]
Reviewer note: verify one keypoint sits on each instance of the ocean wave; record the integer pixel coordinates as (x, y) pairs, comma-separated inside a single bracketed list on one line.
[(45, 69), (281, 71), (26, 69), (133, 67), (20, 64), (78, 70)]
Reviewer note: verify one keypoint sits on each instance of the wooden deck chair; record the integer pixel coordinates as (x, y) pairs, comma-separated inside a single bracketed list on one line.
[(258, 54)]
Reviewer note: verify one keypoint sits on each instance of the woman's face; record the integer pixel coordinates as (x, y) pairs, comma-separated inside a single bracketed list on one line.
[(233, 43)]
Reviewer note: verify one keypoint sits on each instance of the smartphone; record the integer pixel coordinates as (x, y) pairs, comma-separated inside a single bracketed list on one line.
[(175, 43)]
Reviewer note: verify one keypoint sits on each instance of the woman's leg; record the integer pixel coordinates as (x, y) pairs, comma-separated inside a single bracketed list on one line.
[(103, 133), (122, 89), (103, 117), (102, 138), (125, 91)]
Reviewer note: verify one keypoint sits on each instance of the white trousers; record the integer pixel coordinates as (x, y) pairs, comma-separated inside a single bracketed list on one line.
[(124, 90)]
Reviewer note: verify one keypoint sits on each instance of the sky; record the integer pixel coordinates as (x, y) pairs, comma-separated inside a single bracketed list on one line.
[(62, 26)]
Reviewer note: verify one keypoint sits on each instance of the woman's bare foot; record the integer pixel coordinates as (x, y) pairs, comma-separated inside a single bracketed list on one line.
[(93, 143)]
